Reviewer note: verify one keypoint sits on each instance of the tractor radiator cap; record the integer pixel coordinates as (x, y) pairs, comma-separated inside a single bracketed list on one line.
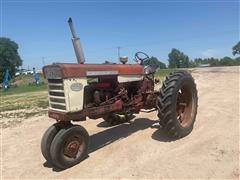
[(123, 59)]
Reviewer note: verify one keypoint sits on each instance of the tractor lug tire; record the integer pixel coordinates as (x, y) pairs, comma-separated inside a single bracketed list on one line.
[(177, 84), (47, 139), (69, 147)]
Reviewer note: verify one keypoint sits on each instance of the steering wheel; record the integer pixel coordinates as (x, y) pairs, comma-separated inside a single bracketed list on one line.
[(140, 57)]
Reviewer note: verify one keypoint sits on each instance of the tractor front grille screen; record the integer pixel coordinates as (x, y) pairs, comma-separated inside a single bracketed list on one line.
[(56, 94)]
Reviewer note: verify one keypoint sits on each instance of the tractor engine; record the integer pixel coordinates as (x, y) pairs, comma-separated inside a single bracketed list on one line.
[(80, 90)]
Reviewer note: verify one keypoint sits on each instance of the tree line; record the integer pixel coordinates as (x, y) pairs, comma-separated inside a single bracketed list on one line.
[(11, 60), (177, 59)]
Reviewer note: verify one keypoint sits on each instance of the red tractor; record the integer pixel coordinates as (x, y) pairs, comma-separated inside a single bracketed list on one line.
[(113, 92)]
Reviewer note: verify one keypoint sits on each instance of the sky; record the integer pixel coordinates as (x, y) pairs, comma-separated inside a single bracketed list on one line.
[(198, 28)]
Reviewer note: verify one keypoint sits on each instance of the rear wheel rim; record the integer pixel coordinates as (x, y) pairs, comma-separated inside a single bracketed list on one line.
[(185, 105)]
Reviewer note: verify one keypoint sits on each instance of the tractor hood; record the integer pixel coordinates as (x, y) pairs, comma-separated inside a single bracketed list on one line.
[(59, 71)]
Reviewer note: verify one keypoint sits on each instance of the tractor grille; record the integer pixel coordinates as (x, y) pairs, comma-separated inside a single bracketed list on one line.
[(56, 94)]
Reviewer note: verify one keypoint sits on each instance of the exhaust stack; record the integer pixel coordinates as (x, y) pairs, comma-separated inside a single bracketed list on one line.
[(76, 43)]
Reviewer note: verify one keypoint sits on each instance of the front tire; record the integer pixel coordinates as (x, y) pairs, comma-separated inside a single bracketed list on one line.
[(47, 139), (69, 146), (177, 104)]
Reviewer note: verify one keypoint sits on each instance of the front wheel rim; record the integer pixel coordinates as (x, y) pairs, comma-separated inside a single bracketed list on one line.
[(73, 148)]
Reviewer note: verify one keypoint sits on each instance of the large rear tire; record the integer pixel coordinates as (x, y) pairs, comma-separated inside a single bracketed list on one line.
[(177, 104), (69, 146)]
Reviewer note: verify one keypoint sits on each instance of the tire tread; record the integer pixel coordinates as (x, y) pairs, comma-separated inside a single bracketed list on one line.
[(165, 101)]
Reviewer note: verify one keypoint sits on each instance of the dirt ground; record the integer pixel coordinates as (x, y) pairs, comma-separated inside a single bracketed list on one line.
[(140, 149)]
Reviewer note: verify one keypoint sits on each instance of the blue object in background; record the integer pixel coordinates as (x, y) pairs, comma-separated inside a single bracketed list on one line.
[(36, 76), (6, 79)]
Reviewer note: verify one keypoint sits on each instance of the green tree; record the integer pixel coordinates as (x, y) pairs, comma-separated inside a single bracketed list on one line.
[(227, 61), (198, 61), (213, 61), (192, 64), (237, 61), (154, 60), (9, 57), (236, 49), (178, 59)]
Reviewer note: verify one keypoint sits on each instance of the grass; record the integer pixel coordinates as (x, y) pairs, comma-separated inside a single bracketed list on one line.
[(24, 99), (162, 73), (29, 100), (23, 89)]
